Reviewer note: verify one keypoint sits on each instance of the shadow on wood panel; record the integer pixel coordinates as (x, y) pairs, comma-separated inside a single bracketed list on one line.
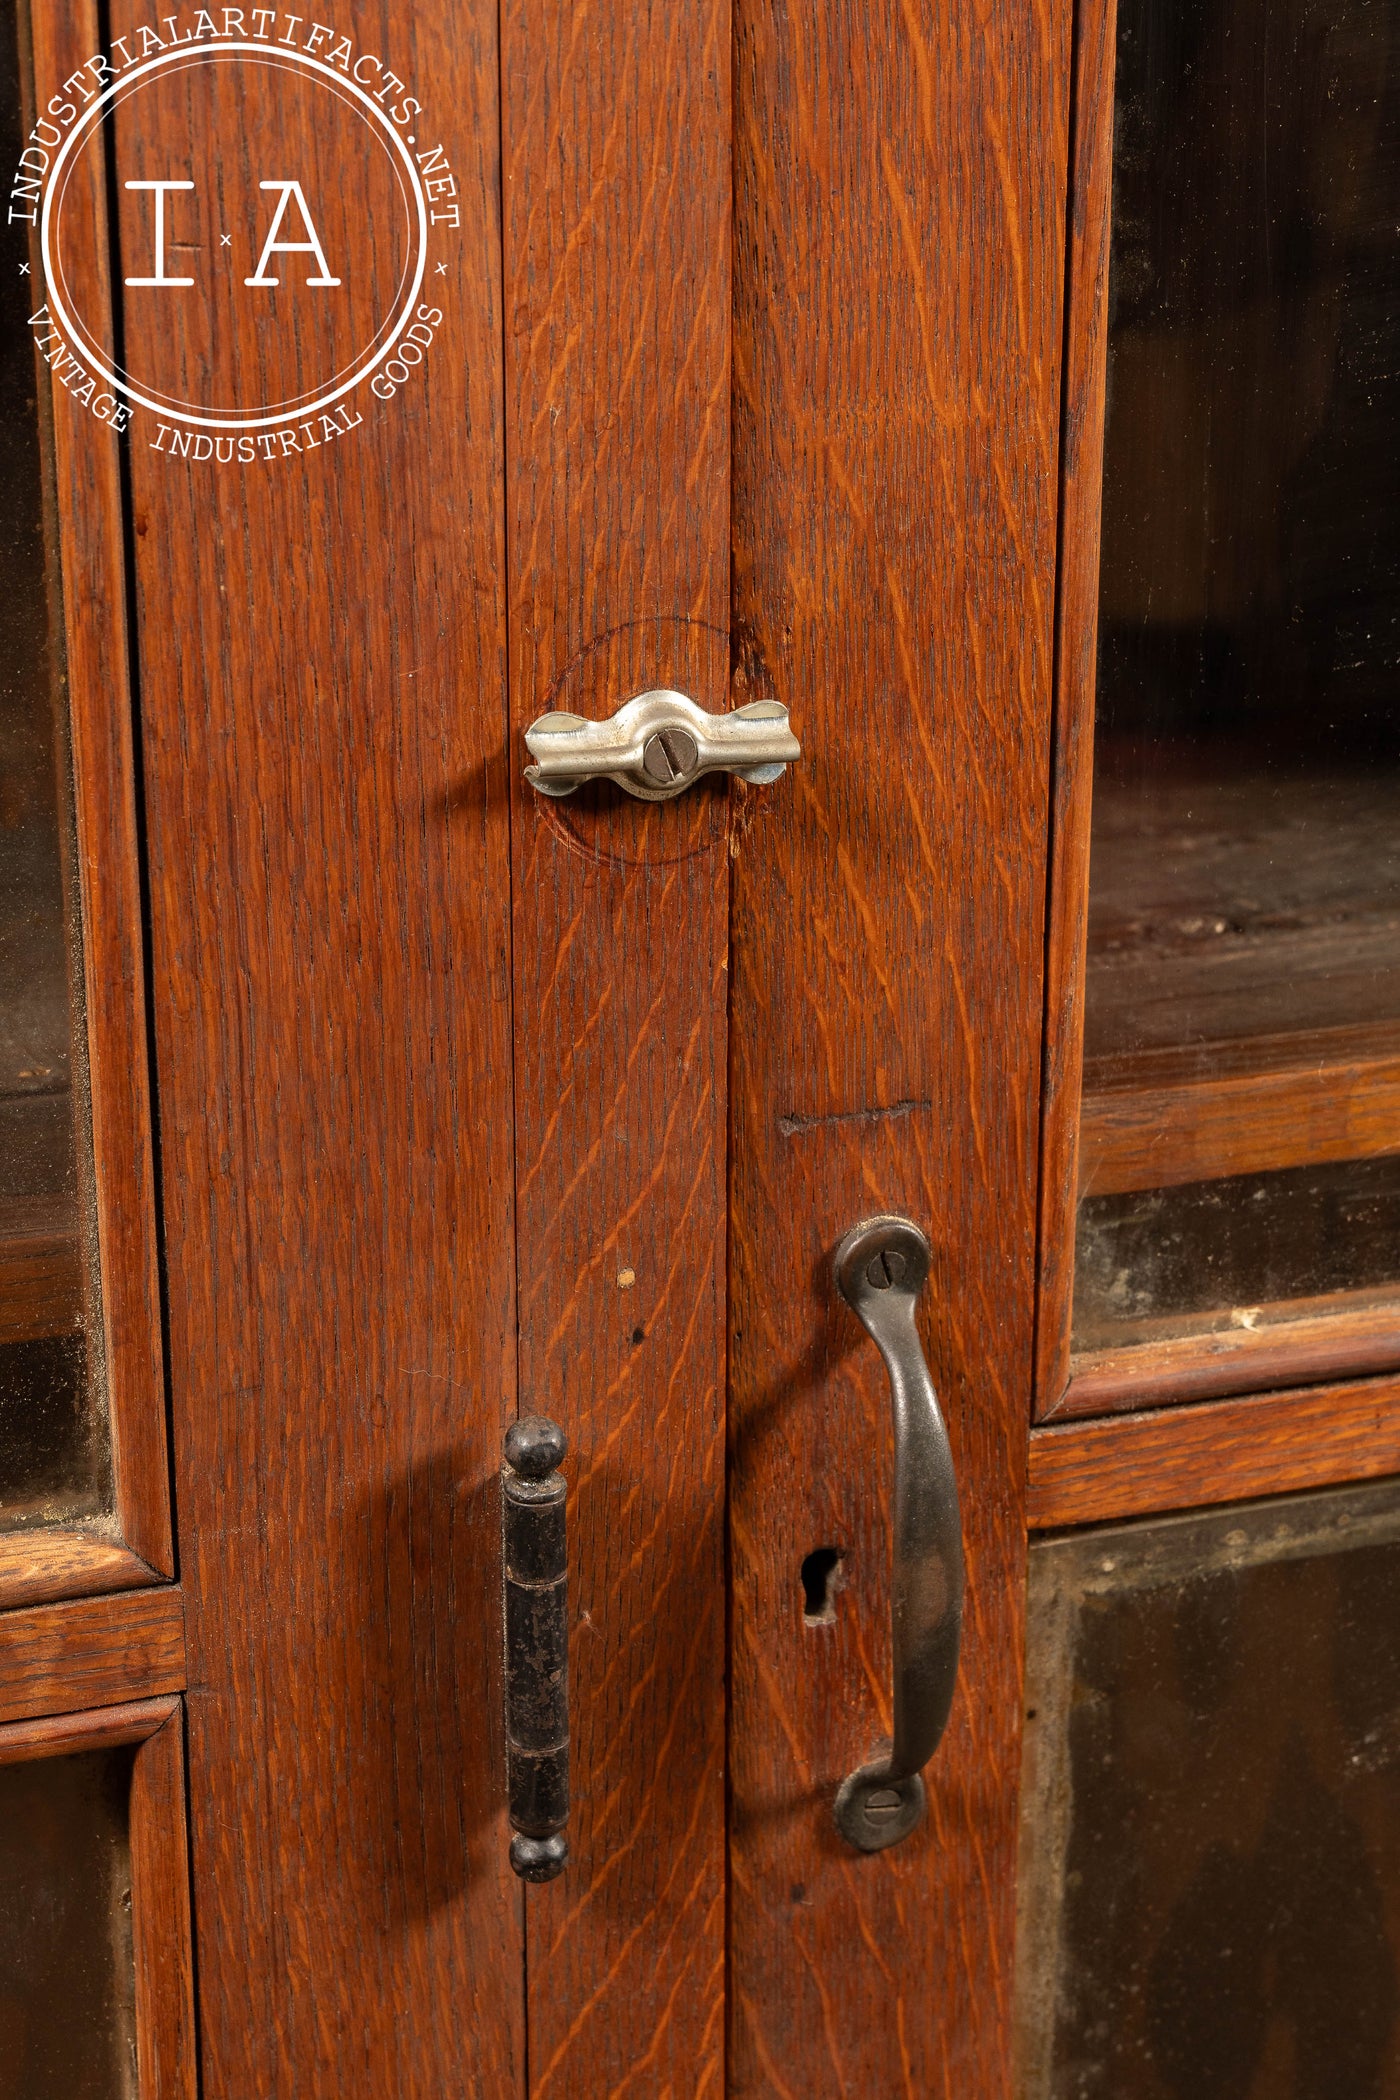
[(431, 1806)]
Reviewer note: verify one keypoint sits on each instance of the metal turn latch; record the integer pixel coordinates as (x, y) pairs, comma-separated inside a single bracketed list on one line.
[(657, 744)]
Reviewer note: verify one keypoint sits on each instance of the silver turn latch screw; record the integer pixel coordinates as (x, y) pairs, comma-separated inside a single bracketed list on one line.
[(657, 744)]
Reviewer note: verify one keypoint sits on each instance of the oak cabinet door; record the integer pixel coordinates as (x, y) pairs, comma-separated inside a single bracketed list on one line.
[(413, 379), (414, 393)]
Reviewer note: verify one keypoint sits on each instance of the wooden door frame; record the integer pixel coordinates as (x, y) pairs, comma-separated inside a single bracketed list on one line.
[(1097, 1138), (92, 1645), (899, 211), (85, 477), (160, 1888)]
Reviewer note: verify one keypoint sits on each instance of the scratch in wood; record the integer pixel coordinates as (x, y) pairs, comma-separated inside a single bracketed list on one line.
[(795, 1126)]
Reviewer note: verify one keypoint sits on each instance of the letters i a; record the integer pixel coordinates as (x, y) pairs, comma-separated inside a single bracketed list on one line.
[(271, 246)]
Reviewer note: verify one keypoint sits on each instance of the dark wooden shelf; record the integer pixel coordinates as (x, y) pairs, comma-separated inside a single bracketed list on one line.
[(1242, 1019), (41, 1280)]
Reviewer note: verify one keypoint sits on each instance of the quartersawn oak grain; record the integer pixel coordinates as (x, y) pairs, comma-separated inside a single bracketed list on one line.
[(616, 139), (1182, 1457), (321, 659), (898, 274), (93, 1651)]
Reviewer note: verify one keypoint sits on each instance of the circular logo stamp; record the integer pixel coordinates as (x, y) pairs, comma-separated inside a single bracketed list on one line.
[(233, 218)]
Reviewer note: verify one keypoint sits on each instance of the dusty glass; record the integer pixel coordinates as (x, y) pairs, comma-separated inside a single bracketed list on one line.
[(1210, 1862), (54, 1456), (67, 1975), (1243, 984)]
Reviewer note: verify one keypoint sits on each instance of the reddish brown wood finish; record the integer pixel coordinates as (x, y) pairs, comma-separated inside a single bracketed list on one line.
[(59, 1658), (97, 1728), (1274, 1444), (322, 688), (160, 1916), (898, 271), (1085, 349), (1163, 1117), (1290, 1341), (160, 1888), (1150, 1120), (88, 475), (59, 1561), (617, 156)]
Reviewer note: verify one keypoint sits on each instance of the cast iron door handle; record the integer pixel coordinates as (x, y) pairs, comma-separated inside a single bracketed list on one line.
[(535, 1581), (881, 1267)]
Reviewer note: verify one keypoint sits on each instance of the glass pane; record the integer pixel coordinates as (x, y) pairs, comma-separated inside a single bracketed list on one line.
[(1244, 921), (67, 1976), (1210, 1867), (1164, 1261), (53, 1430)]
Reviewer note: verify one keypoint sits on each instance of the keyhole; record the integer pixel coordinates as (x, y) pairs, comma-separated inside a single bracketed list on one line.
[(821, 1579)]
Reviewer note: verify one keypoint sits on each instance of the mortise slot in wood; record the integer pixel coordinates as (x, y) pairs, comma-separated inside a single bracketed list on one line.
[(1158, 1118)]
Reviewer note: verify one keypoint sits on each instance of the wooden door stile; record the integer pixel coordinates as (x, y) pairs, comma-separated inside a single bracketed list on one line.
[(161, 1924), (1076, 661), (321, 666), (92, 559), (897, 356), (617, 285)]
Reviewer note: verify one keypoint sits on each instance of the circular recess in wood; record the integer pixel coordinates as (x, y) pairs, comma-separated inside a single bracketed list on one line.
[(600, 820)]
